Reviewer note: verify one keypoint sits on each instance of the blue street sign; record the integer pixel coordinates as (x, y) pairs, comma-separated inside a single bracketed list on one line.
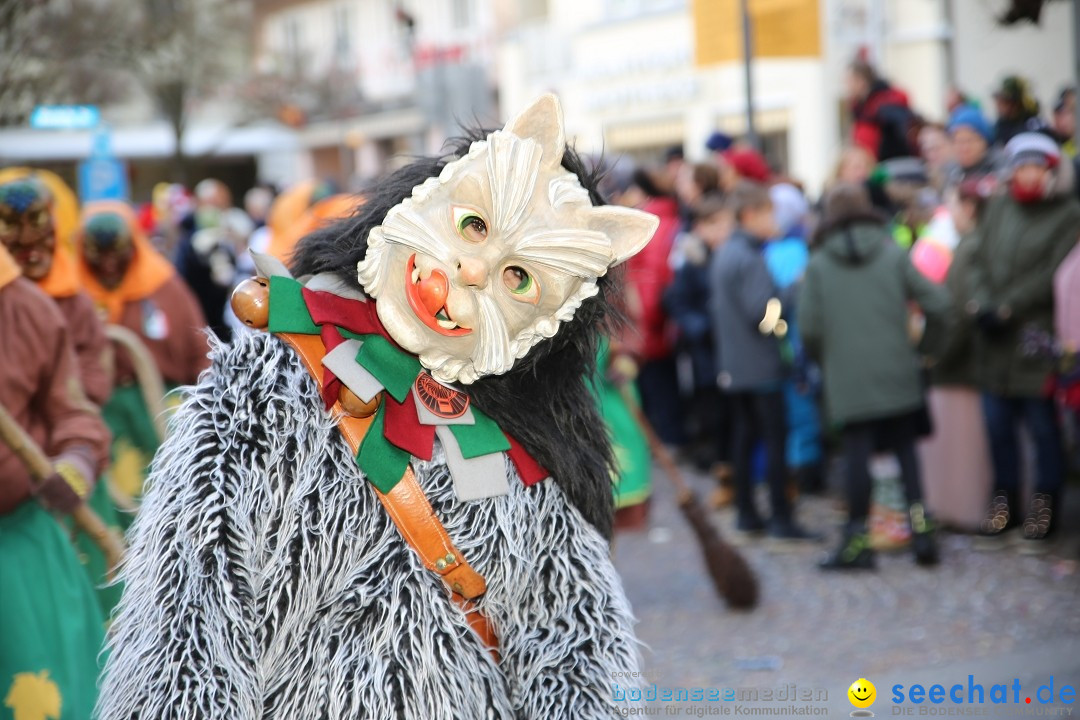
[(103, 178), (65, 117)]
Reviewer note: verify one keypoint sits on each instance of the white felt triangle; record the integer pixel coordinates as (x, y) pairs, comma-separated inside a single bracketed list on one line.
[(474, 478), (269, 266), (331, 283), (342, 362)]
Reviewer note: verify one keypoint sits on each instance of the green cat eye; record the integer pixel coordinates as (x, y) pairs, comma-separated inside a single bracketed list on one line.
[(472, 227), (517, 280)]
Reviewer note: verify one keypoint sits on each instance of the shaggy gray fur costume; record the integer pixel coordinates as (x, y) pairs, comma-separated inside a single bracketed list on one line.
[(265, 579)]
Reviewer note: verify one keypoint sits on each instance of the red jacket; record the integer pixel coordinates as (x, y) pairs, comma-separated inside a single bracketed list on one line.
[(882, 121), (648, 275)]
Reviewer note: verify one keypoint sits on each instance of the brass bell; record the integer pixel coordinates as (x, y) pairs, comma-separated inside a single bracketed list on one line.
[(355, 406), (251, 302)]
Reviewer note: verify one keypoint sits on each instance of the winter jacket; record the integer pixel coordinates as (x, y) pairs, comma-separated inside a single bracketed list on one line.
[(1019, 248), (882, 121), (741, 287), (853, 316), (648, 274), (686, 300), (956, 363)]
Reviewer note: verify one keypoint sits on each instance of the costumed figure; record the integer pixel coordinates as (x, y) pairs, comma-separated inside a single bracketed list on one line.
[(36, 228), (396, 502), (33, 232), (616, 396), (51, 627), (136, 288), (302, 210)]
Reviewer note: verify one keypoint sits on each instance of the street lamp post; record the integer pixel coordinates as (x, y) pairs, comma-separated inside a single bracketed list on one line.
[(748, 56), (1076, 59)]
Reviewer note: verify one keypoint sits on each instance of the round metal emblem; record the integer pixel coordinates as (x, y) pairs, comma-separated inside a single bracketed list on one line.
[(442, 401)]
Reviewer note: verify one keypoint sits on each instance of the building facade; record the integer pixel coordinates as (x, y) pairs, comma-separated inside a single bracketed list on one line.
[(371, 81), (638, 76)]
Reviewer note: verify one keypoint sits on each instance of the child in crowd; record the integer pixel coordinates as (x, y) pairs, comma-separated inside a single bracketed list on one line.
[(747, 317), (687, 303), (787, 258)]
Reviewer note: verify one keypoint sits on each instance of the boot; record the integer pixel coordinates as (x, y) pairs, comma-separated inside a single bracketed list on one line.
[(854, 552), (923, 543), (1000, 516), (1039, 523)]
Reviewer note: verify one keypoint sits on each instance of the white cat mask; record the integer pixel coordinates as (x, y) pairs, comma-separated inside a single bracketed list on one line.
[(486, 260)]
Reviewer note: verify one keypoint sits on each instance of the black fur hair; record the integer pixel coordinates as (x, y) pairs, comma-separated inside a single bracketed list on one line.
[(544, 401)]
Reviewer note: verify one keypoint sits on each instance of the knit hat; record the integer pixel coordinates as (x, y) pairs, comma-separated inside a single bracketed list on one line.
[(718, 142), (1032, 147), (905, 169), (789, 207), (749, 164), (971, 117), (1015, 89)]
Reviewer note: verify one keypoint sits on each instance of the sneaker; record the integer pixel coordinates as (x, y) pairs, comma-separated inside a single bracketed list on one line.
[(854, 553), (923, 543)]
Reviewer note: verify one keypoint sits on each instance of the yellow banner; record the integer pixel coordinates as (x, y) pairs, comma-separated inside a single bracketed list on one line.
[(781, 28)]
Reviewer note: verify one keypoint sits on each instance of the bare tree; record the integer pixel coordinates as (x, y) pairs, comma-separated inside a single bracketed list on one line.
[(50, 53), (176, 53), (183, 52)]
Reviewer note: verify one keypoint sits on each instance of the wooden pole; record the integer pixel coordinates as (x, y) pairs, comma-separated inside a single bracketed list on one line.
[(12, 434)]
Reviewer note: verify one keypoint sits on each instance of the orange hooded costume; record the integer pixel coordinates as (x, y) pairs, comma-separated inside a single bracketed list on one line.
[(293, 215), (151, 301), (62, 285)]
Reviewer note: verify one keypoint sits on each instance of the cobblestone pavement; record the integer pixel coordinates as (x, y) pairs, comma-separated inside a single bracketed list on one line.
[(1000, 615)]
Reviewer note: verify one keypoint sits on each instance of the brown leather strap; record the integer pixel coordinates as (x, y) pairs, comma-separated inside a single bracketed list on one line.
[(413, 515), (410, 510)]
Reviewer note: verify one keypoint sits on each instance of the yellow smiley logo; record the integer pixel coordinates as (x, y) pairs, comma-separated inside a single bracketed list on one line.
[(862, 693)]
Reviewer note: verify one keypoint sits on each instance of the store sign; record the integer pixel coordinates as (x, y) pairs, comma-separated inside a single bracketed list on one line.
[(65, 117)]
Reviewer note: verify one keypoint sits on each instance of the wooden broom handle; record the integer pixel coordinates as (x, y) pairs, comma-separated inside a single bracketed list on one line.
[(151, 384), (40, 468)]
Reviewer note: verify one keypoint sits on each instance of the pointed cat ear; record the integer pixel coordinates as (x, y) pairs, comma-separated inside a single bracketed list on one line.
[(629, 230), (543, 122)]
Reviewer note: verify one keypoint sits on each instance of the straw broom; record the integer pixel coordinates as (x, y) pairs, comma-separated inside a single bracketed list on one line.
[(730, 573)]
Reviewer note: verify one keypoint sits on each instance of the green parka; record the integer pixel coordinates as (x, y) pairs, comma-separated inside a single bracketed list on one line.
[(853, 316), (1018, 249), (956, 365)]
